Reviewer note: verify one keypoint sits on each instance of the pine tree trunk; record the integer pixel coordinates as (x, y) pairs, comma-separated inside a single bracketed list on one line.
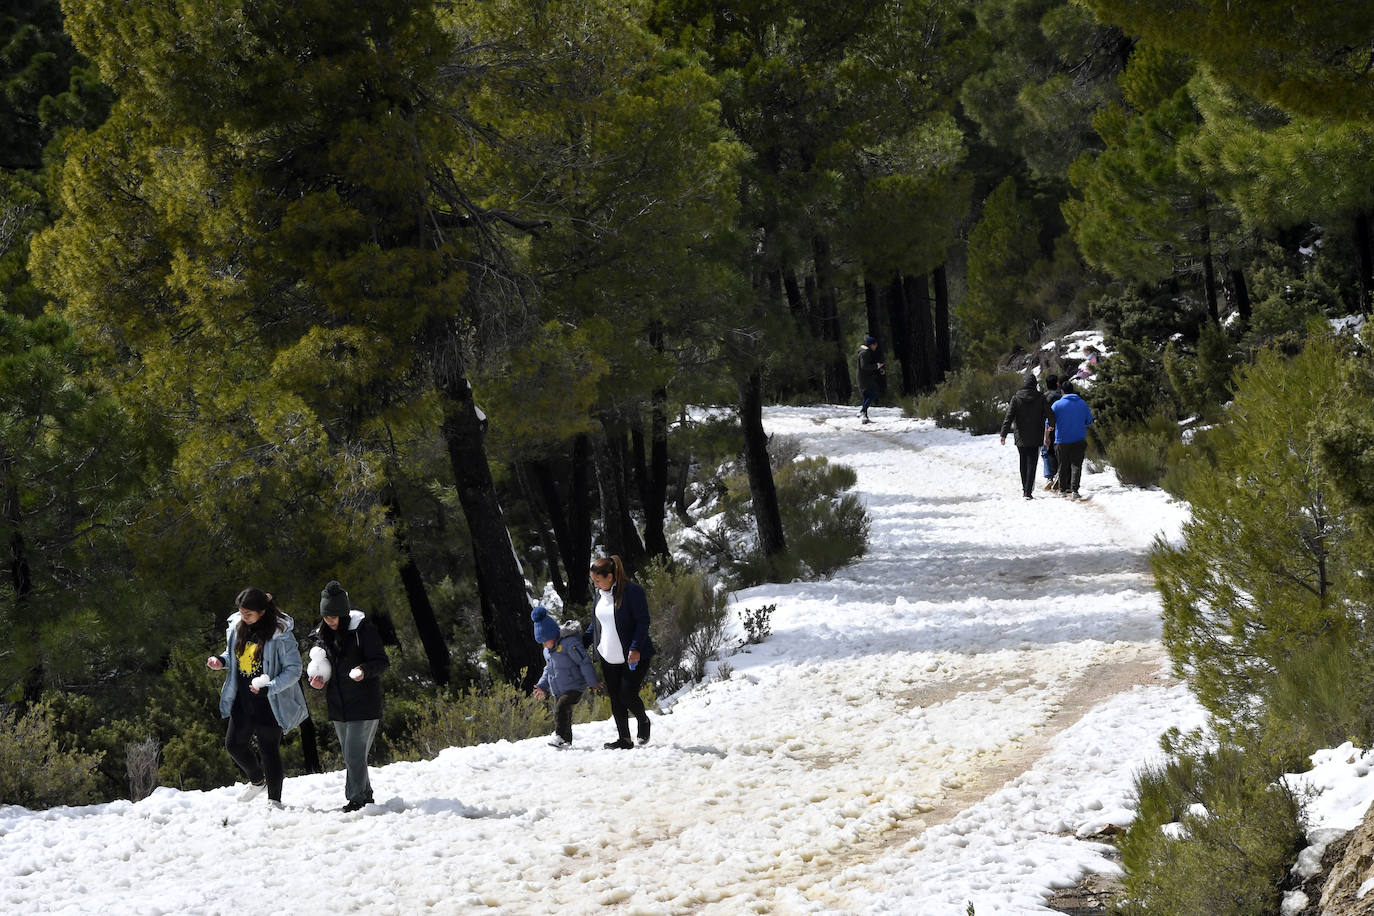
[(580, 522), (872, 309), (1242, 294), (547, 488), (505, 603), (543, 524), (417, 596), (618, 530), (1364, 258), (1209, 276), (838, 389), (762, 490), (943, 359), (21, 583), (922, 329), (899, 347), (310, 747)]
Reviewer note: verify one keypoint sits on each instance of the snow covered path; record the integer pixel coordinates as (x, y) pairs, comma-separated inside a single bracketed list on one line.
[(930, 728)]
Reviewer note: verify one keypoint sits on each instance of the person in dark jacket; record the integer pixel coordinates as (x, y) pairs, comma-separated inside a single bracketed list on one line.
[(261, 697), (1072, 416), (567, 671), (620, 634), (870, 374), (352, 687), (1048, 456), (1028, 413)]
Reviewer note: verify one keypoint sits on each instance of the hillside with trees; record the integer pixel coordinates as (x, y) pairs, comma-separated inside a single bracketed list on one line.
[(423, 296)]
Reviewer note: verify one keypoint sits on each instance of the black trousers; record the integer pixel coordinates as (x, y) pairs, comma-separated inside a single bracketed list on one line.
[(266, 762), (1071, 455), (622, 689), (563, 712), (1030, 462)]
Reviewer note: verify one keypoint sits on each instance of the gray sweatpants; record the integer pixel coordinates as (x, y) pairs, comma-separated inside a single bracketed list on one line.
[(355, 741)]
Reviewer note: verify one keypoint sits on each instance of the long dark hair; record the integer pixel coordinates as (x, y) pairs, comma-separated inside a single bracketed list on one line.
[(255, 599), (613, 565)]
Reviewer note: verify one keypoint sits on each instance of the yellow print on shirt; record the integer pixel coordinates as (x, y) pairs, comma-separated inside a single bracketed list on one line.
[(250, 659)]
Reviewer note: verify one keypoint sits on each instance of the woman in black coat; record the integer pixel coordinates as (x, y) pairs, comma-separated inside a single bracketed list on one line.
[(353, 686), (620, 635)]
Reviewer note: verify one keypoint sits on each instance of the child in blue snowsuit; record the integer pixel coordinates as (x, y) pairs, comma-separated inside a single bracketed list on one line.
[(567, 671)]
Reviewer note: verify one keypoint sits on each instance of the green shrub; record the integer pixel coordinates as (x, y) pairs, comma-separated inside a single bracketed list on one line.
[(1234, 834), (758, 623), (687, 623), (971, 399), (1139, 457), (825, 528), (36, 770), (1267, 564), (480, 715), (472, 716), (1322, 696)]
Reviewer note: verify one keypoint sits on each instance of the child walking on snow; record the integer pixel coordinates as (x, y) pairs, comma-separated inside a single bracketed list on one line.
[(567, 671)]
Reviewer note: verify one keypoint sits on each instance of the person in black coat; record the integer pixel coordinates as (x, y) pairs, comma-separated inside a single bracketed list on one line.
[(619, 633), (1028, 413), (870, 374), (352, 686)]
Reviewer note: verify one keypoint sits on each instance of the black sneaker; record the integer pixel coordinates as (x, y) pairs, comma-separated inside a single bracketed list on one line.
[(353, 806), (644, 728), (619, 744)]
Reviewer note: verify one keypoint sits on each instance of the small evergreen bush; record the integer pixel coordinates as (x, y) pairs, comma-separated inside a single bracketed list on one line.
[(825, 528), (757, 623), (970, 399), (687, 623), (1215, 833), (482, 715), (1140, 455), (36, 769)]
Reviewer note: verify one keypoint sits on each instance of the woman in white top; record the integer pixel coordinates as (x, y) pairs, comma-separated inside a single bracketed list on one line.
[(620, 634)]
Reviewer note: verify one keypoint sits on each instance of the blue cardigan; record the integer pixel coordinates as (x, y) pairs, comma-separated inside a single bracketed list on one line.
[(281, 661), (631, 624)]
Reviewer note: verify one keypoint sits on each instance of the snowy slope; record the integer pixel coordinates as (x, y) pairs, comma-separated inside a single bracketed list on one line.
[(936, 725)]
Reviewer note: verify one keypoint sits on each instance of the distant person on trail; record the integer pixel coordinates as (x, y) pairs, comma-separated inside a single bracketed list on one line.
[(262, 696), (1048, 456), (870, 374), (1028, 413), (351, 679), (1072, 416), (568, 671), (620, 634)]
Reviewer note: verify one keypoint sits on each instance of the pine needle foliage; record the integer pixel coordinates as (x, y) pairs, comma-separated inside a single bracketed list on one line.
[(1215, 833), (37, 768), (1269, 567)]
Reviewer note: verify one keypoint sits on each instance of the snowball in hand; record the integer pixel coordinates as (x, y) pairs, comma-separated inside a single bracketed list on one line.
[(261, 681), (356, 674), (319, 665)]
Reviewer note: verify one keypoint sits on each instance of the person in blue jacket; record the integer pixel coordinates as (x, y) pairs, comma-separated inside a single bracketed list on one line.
[(1072, 417), (620, 634), (567, 671), (262, 696)]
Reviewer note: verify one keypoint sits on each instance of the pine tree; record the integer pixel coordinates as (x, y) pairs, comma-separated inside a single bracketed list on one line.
[(266, 238), (1312, 58), (1003, 249), (1141, 215), (1269, 568)]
